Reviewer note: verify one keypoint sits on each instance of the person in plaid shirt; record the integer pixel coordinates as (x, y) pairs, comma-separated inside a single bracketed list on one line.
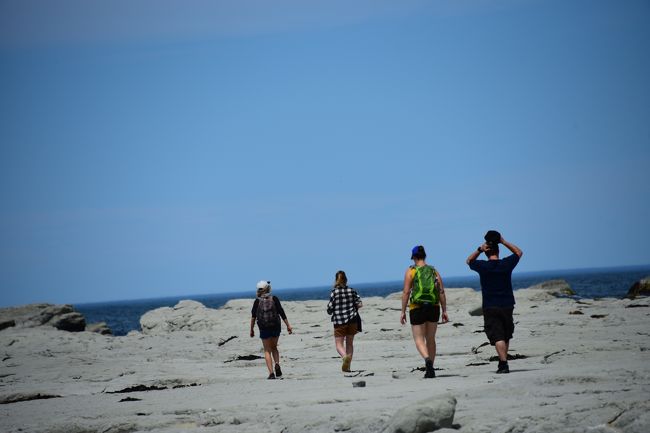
[(344, 307)]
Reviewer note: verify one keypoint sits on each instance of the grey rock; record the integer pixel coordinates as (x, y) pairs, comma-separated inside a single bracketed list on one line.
[(359, 384), (100, 328), (62, 317), (50, 312), (553, 288), (634, 419), (185, 316), (639, 288), (343, 426), (424, 416), (478, 311)]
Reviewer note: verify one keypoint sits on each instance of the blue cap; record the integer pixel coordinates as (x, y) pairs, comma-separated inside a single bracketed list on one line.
[(418, 249)]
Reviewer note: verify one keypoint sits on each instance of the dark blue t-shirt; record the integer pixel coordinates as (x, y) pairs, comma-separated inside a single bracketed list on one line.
[(496, 280)]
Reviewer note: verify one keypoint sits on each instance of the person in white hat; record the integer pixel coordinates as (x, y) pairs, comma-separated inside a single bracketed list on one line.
[(267, 311)]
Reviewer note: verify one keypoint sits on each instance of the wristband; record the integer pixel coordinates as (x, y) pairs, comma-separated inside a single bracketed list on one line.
[(479, 250)]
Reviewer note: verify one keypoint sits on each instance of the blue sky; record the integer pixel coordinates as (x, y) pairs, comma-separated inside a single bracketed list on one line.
[(160, 148)]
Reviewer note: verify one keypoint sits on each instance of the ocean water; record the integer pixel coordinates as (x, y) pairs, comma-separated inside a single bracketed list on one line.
[(124, 316)]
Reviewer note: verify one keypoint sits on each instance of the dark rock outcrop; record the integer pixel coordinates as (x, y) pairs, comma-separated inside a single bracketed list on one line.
[(73, 322), (4, 324), (639, 288)]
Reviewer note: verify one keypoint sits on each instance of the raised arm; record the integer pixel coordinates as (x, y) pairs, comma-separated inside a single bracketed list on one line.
[(477, 252), (512, 247)]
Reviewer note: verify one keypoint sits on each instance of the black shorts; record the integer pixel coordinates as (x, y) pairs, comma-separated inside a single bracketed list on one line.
[(498, 323), (424, 313)]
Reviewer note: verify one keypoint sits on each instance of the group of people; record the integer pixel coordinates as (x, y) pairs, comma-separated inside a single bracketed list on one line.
[(423, 294)]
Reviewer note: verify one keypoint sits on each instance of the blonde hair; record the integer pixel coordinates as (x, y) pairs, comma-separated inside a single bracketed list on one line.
[(340, 279)]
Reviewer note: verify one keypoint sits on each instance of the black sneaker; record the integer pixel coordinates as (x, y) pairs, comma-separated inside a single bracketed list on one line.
[(278, 371), (271, 376), (503, 368), (430, 373)]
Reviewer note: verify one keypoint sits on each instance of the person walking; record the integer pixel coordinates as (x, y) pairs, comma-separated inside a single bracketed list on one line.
[(344, 306), (497, 293), (267, 310), (424, 293)]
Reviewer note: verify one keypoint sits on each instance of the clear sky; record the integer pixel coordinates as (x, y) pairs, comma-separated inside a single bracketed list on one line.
[(161, 148)]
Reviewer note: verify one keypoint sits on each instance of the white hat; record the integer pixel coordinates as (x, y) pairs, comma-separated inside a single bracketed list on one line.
[(263, 284)]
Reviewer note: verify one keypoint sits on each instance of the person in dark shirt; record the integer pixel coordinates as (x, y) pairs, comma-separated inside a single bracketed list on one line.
[(268, 311), (496, 291)]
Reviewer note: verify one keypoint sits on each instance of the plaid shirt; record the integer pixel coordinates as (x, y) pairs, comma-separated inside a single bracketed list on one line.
[(343, 304)]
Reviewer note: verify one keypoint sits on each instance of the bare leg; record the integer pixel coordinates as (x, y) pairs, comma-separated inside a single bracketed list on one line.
[(267, 354), (340, 347), (419, 336), (274, 349), (349, 345), (502, 349), (430, 336)]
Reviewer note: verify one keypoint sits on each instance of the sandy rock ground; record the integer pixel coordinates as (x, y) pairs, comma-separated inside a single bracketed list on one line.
[(587, 372)]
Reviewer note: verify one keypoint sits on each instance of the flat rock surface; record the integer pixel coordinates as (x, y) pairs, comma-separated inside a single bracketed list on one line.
[(571, 373)]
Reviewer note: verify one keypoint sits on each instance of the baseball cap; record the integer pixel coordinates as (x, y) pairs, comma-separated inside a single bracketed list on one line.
[(418, 249), (263, 284)]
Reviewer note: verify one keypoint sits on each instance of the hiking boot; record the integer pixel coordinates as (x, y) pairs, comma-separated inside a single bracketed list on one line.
[(278, 371), (271, 376), (430, 373), (347, 360), (503, 368)]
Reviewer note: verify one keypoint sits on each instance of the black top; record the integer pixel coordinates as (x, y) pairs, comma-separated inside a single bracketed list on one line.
[(496, 280)]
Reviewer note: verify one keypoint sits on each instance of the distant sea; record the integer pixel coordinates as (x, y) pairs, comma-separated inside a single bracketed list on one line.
[(124, 316)]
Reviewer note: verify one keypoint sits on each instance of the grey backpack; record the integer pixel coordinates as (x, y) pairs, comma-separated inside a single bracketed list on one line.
[(267, 315)]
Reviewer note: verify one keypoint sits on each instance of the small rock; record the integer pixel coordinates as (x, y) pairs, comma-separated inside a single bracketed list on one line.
[(100, 328), (555, 288), (343, 426), (576, 312), (359, 384), (478, 311)]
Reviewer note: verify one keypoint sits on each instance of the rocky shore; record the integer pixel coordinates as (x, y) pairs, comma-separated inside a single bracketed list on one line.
[(578, 366)]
